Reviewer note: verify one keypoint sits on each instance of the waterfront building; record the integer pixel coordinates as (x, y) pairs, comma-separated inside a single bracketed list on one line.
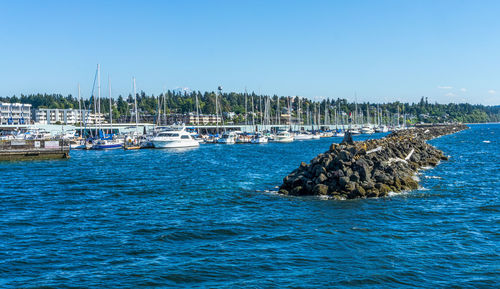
[(15, 113), (201, 118), (67, 116)]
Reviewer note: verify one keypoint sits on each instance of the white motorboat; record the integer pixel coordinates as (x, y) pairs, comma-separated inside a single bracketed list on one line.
[(259, 138), (227, 138), (67, 135), (367, 130), (327, 134), (78, 144), (34, 133), (283, 136), (354, 131), (339, 133), (174, 139), (303, 136), (382, 128)]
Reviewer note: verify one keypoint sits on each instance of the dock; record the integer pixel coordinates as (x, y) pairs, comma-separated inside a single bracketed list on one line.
[(21, 149)]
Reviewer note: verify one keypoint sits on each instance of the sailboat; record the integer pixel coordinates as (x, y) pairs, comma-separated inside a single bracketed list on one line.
[(300, 134), (132, 140), (79, 143), (105, 142)]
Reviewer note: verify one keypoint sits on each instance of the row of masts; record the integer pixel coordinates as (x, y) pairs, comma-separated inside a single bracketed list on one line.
[(332, 115), (84, 113)]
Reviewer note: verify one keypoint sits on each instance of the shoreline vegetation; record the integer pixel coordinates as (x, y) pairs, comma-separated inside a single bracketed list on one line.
[(178, 102), (372, 168)]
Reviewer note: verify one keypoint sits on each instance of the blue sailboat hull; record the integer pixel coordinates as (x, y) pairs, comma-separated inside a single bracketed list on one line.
[(107, 147)]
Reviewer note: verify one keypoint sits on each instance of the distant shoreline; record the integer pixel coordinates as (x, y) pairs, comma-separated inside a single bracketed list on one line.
[(482, 123)]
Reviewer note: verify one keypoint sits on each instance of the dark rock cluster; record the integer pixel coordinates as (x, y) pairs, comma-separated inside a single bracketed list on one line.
[(369, 168)]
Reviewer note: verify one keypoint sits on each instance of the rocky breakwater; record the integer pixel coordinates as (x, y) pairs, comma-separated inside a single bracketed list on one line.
[(369, 168)]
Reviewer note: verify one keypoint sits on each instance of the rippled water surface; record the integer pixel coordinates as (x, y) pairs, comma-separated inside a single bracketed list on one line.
[(202, 218)]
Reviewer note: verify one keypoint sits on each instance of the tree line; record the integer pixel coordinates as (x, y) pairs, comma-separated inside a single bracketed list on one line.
[(185, 102)]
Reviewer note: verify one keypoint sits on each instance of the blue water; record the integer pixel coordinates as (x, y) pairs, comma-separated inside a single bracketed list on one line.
[(202, 218)]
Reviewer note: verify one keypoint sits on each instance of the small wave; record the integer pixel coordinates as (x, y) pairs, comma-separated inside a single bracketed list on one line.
[(486, 141), (392, 194), (360, 229), (433, 177), (272, 192)]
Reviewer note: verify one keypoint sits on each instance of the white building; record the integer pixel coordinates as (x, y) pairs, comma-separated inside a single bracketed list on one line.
[(67, 116), (201, 119), (15, 113)]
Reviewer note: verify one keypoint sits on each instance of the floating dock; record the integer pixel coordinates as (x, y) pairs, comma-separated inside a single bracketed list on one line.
[(33, 149)]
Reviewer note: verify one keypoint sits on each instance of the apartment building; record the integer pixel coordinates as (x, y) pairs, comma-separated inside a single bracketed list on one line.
[(15, 113), (67, 116)]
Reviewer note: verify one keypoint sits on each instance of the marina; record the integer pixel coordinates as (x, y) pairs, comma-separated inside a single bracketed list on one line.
[(174, 215), (249, 144)]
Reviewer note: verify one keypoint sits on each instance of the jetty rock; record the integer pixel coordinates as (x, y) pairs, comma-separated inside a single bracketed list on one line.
[(370, 168)]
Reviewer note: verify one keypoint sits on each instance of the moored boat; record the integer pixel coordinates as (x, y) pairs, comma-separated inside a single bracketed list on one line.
[(259, 138), (283, 136), (303, 136), (174, 139), (227, 138)]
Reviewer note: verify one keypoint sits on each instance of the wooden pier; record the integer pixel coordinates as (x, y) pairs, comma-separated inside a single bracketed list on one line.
[(33, 149)]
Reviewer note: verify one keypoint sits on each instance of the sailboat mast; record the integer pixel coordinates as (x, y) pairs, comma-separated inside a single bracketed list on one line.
[(289, 115), (300, 112), (99, 94), (217, 112), (197, 110), (164, 106), (158, 112), (246, 110), (80, 109), (135, 106), (367, 114), (98, 97), (110, 107), (336, 120), (260, 110), (278, 112), (326, 113), (253, 113)]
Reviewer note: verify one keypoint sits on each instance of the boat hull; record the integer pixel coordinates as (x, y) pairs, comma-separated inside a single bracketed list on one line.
[(284, 139), (303, 137), (226, 141), (78, 147), (259, 141), (107, 147), (174, 144)]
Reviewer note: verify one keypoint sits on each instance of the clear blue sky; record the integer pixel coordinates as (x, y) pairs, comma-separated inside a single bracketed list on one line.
[(448, 51)]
